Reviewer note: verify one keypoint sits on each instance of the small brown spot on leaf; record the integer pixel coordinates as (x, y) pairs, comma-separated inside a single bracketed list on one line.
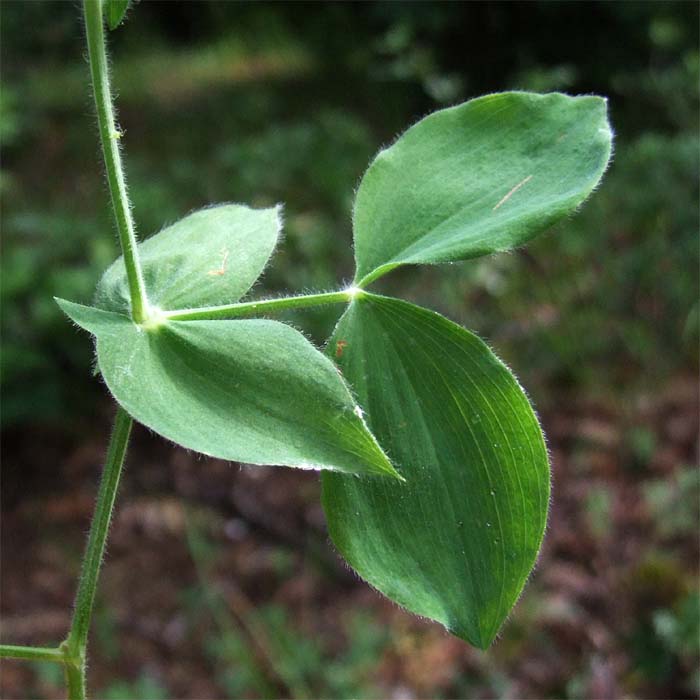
[(340, 345)]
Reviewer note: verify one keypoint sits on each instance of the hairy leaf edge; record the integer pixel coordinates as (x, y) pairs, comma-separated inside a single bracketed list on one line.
[(484, 641), (76, 313), (392, 264)]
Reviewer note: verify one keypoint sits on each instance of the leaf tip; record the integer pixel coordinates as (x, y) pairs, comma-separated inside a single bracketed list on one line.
[(116, 12), (474, 634), (64, 305), (74, 311), (386, 468), (397, 475)]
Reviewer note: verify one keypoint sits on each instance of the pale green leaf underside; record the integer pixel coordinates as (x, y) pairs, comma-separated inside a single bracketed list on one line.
[(210, 257), (481, 177), (456, 542), (115, 11), (252, 391)]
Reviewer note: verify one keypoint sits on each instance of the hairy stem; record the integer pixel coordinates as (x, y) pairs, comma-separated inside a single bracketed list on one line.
[(251, 308), (75, 680), (10, 651), (109, 136), (74, 647), (76, 641)]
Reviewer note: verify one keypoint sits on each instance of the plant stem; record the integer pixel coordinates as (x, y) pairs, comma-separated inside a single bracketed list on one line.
[(250, 308), (109, 136), (76, 641), (10, 651), (75, 680), (375, 274)]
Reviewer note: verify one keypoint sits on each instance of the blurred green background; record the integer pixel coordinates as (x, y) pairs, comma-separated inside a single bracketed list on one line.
[(220, 580)]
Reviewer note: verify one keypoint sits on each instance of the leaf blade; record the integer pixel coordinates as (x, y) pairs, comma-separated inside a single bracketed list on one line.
[(212, 256), (481, 177), (456, 542), (253, 391), (115, 11)]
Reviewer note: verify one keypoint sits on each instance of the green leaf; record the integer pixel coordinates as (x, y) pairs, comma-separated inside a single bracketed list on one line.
[(252, 391), (115, 11), (456, 542), (212, 256), (482, 177)]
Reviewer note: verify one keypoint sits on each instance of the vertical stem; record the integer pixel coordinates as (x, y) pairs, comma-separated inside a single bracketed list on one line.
[(109, 136), (76, 641), (74, 647), (75, 680)]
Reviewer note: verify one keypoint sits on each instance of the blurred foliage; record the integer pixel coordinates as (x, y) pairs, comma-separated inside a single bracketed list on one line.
[(675, 502), (145, 688), (664, 639), (260, 650), (245, 102)]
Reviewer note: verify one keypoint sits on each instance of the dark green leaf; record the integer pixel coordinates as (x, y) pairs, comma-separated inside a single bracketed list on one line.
[(252, 391), (210, 257), (115, 11), (456, 542), (484, 176)]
